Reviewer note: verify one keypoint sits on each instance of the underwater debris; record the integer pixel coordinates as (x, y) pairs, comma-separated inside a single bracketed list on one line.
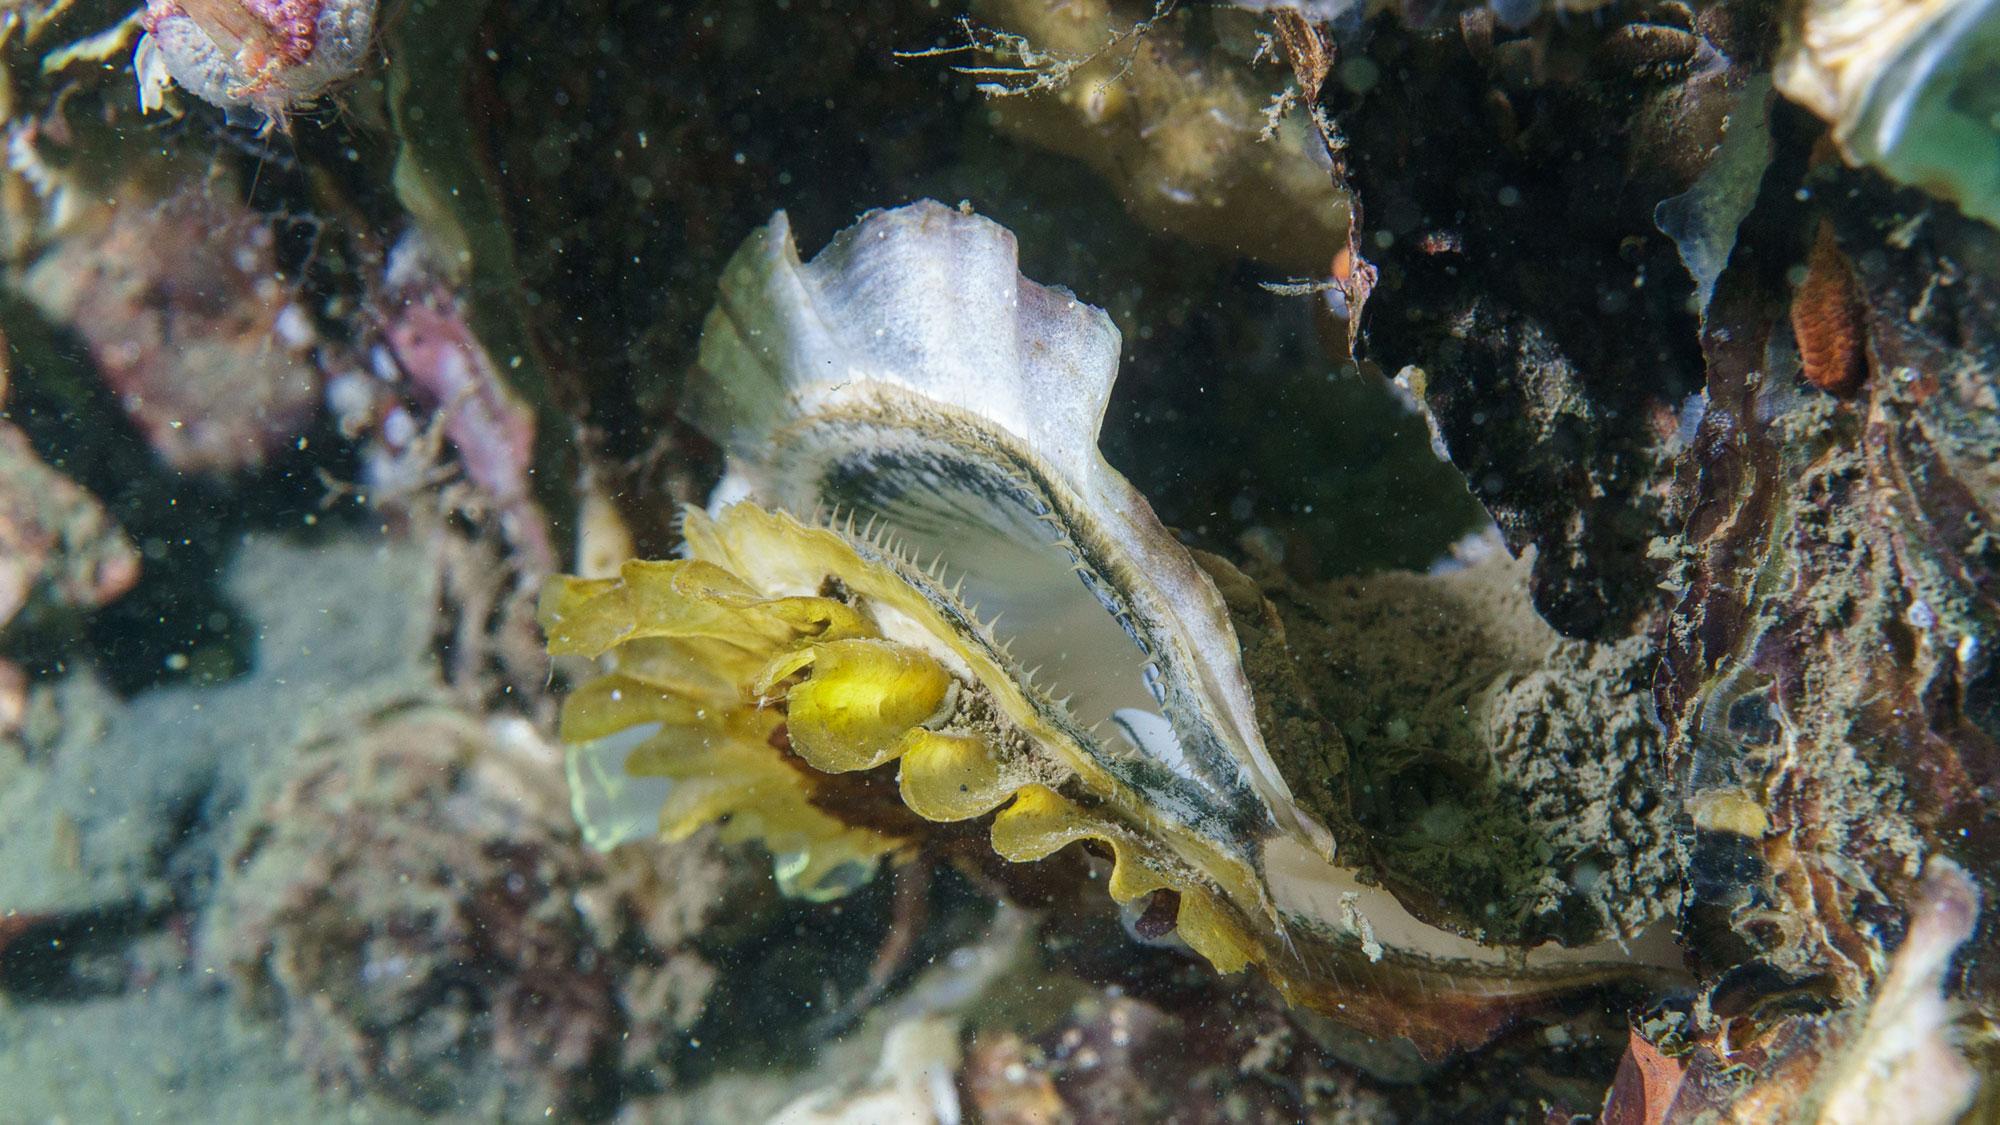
[(191, 323), (410, 903), (272, 56), (1894, 1058), (823, 689), (1180, 132), (56, 539)]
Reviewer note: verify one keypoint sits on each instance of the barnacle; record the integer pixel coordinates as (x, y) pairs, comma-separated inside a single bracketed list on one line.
[(269, 55), (792, 671)]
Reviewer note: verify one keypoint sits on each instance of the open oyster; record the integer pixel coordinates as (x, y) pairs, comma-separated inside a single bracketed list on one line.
[(920, 578)]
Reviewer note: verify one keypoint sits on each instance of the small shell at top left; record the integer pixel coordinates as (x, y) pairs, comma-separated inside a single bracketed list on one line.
[(272, 56)]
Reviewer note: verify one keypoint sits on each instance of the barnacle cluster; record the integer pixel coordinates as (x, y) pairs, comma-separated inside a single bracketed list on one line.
[(268, 55)]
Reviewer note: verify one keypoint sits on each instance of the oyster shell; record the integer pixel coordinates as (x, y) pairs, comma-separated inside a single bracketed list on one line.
[(908, 396), (1907, 86), (1896, 1057), (1827, 685)]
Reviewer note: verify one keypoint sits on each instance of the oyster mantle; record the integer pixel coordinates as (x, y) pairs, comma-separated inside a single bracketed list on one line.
[(913, 476)]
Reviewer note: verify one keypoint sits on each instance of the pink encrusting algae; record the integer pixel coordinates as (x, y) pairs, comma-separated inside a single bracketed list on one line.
[(278, 30)]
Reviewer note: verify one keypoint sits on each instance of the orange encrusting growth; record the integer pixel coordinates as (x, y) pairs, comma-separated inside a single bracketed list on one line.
[(1827, 320)]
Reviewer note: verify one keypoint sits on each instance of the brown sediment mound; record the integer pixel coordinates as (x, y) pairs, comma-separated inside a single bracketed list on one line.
[(1505, 780), (414, 908)]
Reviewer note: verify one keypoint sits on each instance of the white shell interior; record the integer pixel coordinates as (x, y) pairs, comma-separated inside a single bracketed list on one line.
[(911, 374)]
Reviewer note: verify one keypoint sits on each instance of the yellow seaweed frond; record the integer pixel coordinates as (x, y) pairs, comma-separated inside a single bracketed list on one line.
[(860, 698), (682, 598), (721, 664)]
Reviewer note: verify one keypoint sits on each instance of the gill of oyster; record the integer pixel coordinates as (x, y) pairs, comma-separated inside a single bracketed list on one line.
[(909, 382)]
